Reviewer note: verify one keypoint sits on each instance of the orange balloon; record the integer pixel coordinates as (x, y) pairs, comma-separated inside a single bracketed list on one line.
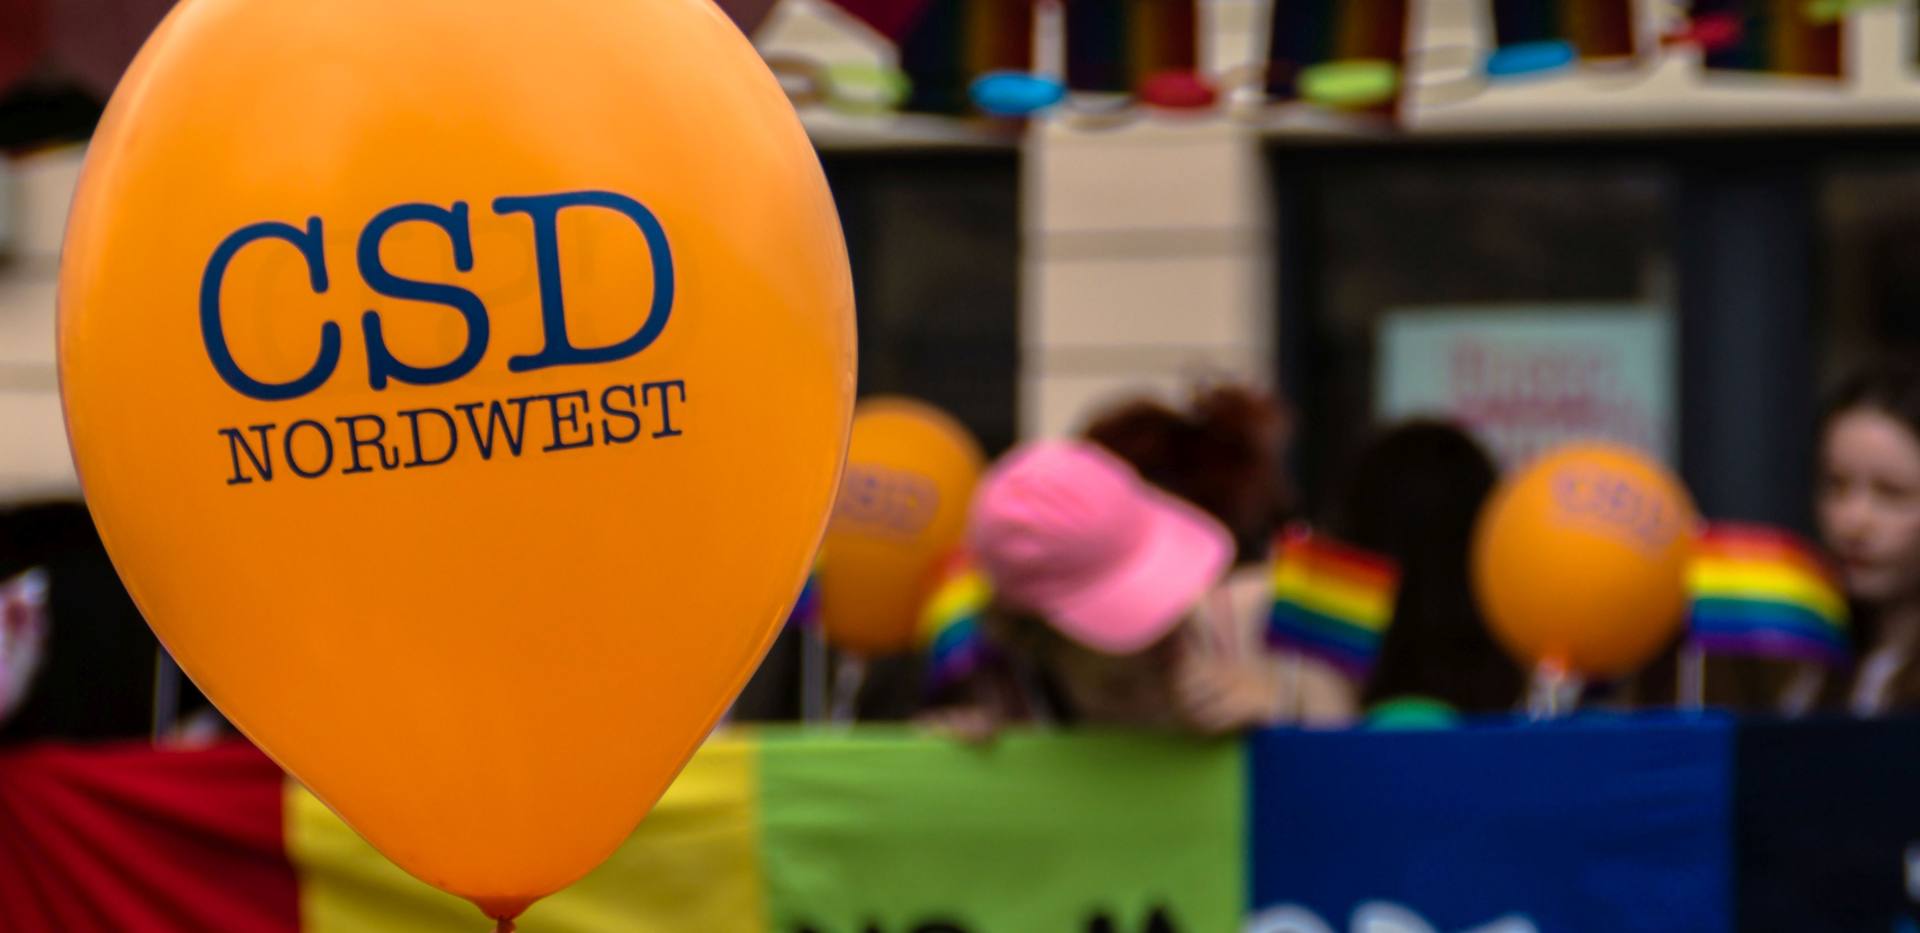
[(902, 509), (460, 387), (1580, 560)]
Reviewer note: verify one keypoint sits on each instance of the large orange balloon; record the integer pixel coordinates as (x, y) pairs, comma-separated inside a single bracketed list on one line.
[(461, 387), (902, 509), (1580, 560)]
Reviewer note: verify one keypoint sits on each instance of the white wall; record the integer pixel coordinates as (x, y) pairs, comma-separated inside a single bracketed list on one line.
[(33, 445)]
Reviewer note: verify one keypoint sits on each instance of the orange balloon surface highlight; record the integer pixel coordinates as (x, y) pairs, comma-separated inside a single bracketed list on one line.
[(1579, 560), (461, 388), (902, 510)]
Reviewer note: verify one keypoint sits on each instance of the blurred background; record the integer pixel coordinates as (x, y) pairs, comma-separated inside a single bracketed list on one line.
[(1740, 231), (1672, 226)]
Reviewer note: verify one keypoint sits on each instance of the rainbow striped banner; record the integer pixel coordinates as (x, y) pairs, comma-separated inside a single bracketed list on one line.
[(1331, 600), (1306, 33), (949, 633), (1758, 591), (1780, 37), (766, 831), (1597, 29), (955, 41), (1115, 46)]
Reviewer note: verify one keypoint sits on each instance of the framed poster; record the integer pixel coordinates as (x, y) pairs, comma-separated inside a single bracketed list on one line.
[(1525, 379)]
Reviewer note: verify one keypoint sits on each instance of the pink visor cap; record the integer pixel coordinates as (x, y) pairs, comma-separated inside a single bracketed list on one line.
[(1068, 531)]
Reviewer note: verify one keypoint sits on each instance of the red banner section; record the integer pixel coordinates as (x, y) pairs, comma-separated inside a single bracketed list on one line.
[(123, 839)]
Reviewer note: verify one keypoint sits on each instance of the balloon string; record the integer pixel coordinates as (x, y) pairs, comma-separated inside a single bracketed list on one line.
[(505, 926)]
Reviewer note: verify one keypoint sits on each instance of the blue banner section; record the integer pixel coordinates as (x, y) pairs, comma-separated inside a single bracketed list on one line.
[(1599, 824)]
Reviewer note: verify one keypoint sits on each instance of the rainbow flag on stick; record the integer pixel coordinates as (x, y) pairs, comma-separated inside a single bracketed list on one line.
[(1758, 591), (949, 631), (1331, 600)]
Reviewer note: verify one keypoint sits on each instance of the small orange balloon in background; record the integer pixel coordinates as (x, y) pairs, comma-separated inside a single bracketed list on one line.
[(461, 388), (902, 509), (1579, 560)]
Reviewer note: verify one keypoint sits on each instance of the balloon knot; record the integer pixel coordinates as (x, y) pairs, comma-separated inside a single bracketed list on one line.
[(503, 911)]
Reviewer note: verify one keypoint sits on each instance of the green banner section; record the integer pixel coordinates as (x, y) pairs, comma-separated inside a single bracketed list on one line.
[(892, 832)]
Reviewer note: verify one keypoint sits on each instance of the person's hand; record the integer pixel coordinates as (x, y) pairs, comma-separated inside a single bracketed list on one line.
[(1216, 695), (974, 725)]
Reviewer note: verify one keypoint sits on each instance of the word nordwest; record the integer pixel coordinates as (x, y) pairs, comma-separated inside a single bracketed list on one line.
[(429, 436)]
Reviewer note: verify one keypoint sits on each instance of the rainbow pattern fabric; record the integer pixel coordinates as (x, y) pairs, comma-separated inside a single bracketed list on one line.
[(1600, 29), (1780, 37), (1114, 46), (950, 631), (1331, 600), (1759, 591), (1305, 33), (773, 830)]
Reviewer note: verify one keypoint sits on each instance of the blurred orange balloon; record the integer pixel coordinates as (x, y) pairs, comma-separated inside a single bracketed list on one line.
[(1580, 560), (460, 387), (902, 509)]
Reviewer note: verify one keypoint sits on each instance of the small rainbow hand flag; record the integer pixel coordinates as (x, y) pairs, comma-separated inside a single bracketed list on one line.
[(949, 630), (1758, 591), (1331, 600)]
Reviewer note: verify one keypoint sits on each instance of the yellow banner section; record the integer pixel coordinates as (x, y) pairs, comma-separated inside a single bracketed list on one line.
[(693, 865)]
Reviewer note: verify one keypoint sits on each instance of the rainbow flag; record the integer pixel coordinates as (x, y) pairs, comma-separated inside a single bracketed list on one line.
[(1599, 29), (1114, 46), (1758, 591), (949, 631), (1331, 600), (1779, 37), (952, 42), (1305, 33)]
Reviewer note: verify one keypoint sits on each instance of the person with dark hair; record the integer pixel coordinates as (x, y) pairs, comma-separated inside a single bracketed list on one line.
[(1101, 586), (1413, 495), (1868, 505), (1095, 575), (1223, 453)]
